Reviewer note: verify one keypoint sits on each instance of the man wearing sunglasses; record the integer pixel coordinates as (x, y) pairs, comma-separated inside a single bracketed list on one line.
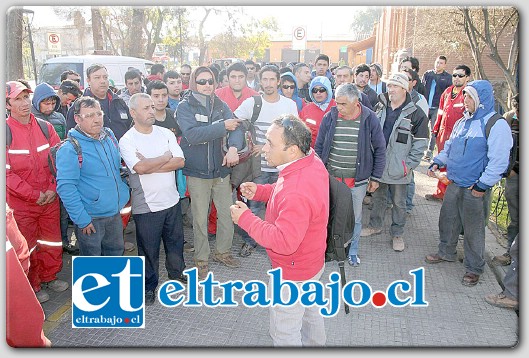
[(451, 108), (294, 228)]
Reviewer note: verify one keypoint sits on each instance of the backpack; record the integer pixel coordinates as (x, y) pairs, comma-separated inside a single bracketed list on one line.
[(52, 154), (340, 225), (42, 125), (249, 166), (512, 155)]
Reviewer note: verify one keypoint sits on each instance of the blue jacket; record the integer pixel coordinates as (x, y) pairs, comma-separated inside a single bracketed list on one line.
[(96, 189), (371, 157), (471, 158), (119, 119), (203, 136)]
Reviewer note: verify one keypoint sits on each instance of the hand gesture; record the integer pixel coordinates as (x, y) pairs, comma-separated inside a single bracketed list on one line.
[(248, 190), (232, 124), (231, 158), (236, 211), (431, 171)]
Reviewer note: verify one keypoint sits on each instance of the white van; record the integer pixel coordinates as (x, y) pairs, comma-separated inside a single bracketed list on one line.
[(51, 70)]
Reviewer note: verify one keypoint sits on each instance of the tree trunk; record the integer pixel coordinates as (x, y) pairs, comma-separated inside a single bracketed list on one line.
[(96, 29), (201, 42), (14, 66), (134, 40), (154, 36)]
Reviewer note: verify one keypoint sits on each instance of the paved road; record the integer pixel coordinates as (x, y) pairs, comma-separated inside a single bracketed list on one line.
[(457, 316)]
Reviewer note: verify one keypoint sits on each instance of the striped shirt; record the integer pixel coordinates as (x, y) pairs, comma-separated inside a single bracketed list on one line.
[(344, 149)]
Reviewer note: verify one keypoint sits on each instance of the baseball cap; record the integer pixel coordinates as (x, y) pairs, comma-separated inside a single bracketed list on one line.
[(14, 88), (399, 79)]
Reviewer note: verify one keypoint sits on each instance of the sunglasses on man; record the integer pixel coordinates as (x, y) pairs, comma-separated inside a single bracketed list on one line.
[(288, 87), (203, 82), (320, 90)]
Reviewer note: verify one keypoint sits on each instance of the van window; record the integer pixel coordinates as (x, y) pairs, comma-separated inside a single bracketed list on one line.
[(114, 74), (51, 72)]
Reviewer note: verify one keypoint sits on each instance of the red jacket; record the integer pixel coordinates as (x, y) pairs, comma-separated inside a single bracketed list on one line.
[(24, 315), (450, 111), (226, 94), (312, 115), (294, 230), (27, 172)]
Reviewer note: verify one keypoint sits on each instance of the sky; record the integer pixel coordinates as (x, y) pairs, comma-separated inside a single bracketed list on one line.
[(316, 19)]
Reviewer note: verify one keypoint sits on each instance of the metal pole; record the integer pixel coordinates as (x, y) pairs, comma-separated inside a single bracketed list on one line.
[(30, 38)]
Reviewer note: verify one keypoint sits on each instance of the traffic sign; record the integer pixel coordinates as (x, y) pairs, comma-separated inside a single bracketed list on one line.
[(299, 38), (54, 43)]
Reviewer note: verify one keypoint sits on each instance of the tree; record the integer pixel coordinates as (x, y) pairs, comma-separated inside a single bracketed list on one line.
[(364, 20), (14, 66), (97, 32)]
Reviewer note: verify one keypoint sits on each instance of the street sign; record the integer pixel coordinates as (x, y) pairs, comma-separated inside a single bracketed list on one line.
[(54, 43), (299, 38)]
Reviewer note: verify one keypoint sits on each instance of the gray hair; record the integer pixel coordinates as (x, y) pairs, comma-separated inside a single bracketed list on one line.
[(348, 90), (345, 67), (133, 102)]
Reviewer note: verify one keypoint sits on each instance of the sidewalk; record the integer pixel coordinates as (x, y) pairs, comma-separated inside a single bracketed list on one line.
[(457, 316)]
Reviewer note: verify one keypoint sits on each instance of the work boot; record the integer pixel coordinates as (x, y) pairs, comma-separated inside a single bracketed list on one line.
[(502, 260), (227, 260), (500, 300), (202, 268), (188, 247), (368, 231)]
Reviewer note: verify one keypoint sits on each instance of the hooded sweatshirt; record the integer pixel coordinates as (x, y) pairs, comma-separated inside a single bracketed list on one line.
[(471, 158), (57, 120), (95, 190), (295, 96), (313, 113)]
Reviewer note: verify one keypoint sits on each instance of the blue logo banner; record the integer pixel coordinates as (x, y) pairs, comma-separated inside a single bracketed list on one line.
[(108, 292)]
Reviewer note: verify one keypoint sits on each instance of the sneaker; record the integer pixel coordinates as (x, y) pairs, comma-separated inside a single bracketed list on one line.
[(353, 260), (129, 246), (435, 259), (42, 296), (502, 260), (398, 243), (367, 200), (56, 285), (150, 297), (246, 250), (500, 300), (368, 231), (188, 247), (227, 260), (70, 249), (182, 278), (203, 269), (432, 197)]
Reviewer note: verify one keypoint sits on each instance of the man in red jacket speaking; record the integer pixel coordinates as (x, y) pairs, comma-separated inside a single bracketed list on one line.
[(295, 226)]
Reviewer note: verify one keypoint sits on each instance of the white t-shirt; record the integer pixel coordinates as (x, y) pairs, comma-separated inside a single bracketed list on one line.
[(269, 112), (150, 192)]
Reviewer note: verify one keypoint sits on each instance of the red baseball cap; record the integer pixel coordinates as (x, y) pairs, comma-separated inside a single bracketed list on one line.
[(14, 88)]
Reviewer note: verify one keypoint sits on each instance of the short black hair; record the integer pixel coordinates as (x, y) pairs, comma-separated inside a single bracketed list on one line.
[(237, 66), (249, 62), (298, 66), (323, 57), (170, 74), (65, 74), (414, 75), (156, 84), (441, 57), (93, 68), (297, 134), (270, 68), (414, 62), (132, 74), (85, 102), (157, 68), (464, 68), (362, 68), (69, 86)]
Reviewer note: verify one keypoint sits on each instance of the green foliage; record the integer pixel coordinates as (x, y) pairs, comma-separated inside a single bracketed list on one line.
[(364, 20)]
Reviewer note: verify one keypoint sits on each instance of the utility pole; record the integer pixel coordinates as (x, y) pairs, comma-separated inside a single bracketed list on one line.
[(30, 39)]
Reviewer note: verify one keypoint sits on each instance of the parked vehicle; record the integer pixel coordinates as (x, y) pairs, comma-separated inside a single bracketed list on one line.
[(51, 70)]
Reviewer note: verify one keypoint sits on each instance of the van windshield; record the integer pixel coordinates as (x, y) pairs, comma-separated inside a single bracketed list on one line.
[(51, 72)]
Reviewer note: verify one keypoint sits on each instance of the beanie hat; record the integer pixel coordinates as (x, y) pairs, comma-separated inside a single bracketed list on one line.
[(399, 79), (378, 68), (472, 92)]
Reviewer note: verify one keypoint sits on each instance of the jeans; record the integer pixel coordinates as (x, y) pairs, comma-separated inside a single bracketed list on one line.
[(358, 193), (398, 211), (257, 206), (512, 196), (410, 193), (461, 209), (153, 228), (106, 241), (432, 116)]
